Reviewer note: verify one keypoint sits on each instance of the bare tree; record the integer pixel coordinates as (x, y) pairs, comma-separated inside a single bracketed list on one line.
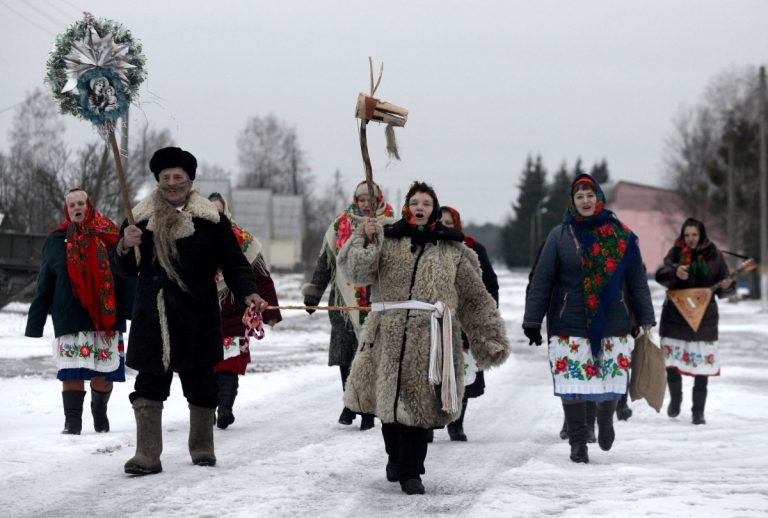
[(271, 157), (720, 134), (32, 195)]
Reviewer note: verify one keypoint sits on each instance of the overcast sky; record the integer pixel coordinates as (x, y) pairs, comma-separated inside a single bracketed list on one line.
[(486, 82)]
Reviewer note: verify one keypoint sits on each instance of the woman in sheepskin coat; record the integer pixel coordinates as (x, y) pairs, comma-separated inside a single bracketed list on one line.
[(416, 259), (345, 326)]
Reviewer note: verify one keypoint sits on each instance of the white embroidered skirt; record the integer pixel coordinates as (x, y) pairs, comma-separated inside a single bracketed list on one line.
[(96, 352), (576, 375), (693, 358)]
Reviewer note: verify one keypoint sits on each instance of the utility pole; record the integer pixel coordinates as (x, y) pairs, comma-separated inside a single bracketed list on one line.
[(730, 135), (763, 195)]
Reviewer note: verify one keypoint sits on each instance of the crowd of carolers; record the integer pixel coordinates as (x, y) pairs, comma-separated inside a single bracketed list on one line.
[(411, 286)]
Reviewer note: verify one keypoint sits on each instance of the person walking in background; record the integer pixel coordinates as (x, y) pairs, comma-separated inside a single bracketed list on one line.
[(588, 279), (450, 218), (237, 353), (88, 306), (407, 348), (176, 326), (693, 262), (345, 326)]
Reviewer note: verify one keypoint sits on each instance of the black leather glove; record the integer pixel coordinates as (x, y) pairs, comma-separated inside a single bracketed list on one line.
[(310, 302), (533, 334)]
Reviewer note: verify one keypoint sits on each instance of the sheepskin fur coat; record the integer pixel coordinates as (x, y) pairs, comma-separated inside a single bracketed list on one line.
[(173, 328), (389, 375)]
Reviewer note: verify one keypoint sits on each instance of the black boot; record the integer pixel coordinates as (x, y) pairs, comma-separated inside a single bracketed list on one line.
[(606, 433), (412, 486), (73, 411), (699, 400), (576, 417), (366, 422), (99, 402), (623, 412), (456, 428), (564, 429), (591, 414), (347, 416), (675, 384), (227, 383), (430, 435)]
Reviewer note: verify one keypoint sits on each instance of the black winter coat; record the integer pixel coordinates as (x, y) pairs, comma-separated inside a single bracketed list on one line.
[(673, 325), (54, 295), (191, 319)]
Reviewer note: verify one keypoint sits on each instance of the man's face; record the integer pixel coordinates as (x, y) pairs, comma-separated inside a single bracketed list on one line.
[(174, 185), (76, 205)]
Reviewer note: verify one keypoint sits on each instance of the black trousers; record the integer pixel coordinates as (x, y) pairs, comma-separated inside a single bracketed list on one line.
[(406, 447), (198, 385)]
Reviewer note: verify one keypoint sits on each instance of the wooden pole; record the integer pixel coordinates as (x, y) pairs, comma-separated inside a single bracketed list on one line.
[(123, 188)]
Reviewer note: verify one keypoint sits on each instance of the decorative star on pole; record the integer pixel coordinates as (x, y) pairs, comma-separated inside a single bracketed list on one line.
[(96, 52)]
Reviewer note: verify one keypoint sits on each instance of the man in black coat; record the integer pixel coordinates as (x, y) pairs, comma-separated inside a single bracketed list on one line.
[(176, 324)]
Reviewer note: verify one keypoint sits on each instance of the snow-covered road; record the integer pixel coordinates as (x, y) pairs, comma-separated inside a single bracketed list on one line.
[(286, 455)]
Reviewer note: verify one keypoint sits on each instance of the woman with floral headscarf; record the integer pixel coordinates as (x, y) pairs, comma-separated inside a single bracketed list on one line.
[(88, 306), (237, 354), (693, 262), (475, 379), (588, 282), (345, 326)]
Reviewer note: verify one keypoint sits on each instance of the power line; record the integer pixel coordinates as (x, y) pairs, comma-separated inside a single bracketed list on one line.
[(11, 107), (73, 6), (44, 14), (28, 20), (53, 4)]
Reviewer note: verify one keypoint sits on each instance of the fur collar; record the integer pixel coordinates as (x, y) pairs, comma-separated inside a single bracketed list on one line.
[(196, 207)]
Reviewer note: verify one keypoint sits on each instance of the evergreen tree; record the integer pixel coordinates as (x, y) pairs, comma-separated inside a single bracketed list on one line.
[(557, 203), (517, 233), (578, 169), (600, 172)]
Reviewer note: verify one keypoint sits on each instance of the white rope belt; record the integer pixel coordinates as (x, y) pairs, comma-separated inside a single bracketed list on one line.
[(441, 369)]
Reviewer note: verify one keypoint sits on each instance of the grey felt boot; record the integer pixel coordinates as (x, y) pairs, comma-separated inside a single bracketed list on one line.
[(149, 438), (201, 435)]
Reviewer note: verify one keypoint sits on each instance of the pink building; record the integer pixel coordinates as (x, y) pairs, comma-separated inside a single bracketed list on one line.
[(653, 213)]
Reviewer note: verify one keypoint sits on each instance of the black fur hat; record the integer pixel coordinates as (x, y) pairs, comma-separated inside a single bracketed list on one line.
[(169, 157)]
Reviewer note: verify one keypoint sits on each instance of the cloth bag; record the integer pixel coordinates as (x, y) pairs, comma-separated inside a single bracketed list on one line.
[(649, 375)]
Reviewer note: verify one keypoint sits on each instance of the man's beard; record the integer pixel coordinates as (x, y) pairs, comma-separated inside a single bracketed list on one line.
[(166, 219)]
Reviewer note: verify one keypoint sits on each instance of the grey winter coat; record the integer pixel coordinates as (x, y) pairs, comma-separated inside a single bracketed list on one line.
[(557, 291), (341, 350), (389, 376)]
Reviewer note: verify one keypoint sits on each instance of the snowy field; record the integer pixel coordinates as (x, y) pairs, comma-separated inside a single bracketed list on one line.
[(287, 456)]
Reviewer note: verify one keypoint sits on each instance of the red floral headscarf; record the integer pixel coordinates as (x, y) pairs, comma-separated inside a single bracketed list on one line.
[(90, 274), (468, 240)]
